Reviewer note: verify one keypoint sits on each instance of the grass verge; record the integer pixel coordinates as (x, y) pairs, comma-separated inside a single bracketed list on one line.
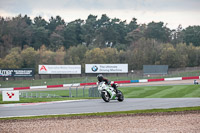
[(36, 100), (109, 113), (171, 91)]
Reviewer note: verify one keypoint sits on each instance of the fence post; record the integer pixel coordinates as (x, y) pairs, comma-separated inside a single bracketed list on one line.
[(84, 91), (70, 93), (76, 91)]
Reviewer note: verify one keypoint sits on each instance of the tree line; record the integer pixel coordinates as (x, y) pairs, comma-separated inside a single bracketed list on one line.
[(25, 43), (142, 52)]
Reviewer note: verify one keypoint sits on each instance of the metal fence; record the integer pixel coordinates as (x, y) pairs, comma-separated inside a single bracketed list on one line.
[(38, 95), (93, 92), (155, 69), (72, 91)]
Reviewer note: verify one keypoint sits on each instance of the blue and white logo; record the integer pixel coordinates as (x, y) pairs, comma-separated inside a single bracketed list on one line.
[(94, 68)]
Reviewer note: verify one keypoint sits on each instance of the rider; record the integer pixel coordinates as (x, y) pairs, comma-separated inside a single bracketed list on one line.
[(101, 78)]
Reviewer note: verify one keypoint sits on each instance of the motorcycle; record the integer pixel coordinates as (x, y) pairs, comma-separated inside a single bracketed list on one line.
[(108, 93)]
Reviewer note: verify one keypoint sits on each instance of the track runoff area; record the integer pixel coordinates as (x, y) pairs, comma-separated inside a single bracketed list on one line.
[(95, 83)]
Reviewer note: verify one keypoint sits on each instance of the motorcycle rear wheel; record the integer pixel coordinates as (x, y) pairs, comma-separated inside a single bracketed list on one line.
[(121, 96)]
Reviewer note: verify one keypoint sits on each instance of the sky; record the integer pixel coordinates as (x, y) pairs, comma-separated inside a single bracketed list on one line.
[(171, 12)]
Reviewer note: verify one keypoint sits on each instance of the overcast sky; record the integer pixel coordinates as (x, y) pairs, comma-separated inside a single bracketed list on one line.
[(171, 12)]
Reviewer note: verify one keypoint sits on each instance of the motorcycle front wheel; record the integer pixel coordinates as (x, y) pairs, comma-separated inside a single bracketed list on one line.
[(105, 96)]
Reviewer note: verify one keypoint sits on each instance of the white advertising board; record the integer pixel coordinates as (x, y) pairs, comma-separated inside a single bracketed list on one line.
[(10, 95), (59, 69), (106, 68)]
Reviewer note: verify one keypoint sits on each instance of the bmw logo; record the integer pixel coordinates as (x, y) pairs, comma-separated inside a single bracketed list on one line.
[(94, 68)]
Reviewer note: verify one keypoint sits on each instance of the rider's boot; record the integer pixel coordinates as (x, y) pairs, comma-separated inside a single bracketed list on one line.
[(117, 92)]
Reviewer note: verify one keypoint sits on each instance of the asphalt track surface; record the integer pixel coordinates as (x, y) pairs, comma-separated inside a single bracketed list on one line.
[(93, 106)]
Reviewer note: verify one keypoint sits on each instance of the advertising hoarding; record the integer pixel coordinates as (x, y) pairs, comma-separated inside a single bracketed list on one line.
[(16, 72), (106, 68), (10, 95), (59, 69)]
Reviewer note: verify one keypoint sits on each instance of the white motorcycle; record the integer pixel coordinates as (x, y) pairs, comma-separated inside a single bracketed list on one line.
[(108, 93)]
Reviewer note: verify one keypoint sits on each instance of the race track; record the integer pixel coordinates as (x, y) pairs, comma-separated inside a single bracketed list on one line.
[(98, 105), (92, 106)]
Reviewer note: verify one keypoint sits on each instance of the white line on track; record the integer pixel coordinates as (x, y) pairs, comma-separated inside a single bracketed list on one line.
[(31, 104)]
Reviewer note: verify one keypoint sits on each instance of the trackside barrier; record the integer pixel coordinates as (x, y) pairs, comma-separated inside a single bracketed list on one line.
[(171, 79), (154, 80), (143, 80), (95, 83), (21, 88), (38, 87), (54, 86), (77, 84), (122, 82), (134, 81), (67, 85), (185, 78), (6, 89), (85, 84)]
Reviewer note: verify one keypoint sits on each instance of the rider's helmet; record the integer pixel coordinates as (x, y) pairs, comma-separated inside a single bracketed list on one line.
[(100, 77)]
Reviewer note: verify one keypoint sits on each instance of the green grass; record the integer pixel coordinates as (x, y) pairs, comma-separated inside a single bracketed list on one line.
[(40, 82), (74, 92), (108, 113), (54, 81), (176, 91), (65, 95), (187, 74), (172, 91), (36, 100)]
